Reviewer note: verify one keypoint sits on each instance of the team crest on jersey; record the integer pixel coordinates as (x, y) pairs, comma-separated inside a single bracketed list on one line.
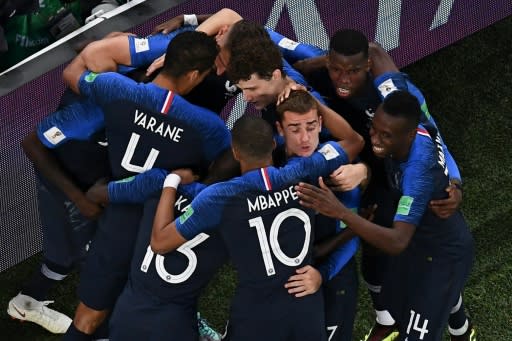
[(188, 213), (90, 77), (387, 87), (54, 135), (404, 205), (328, 151)]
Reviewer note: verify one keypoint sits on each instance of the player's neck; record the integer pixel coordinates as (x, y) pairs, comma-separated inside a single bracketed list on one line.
[(252, 165), (169, 84)]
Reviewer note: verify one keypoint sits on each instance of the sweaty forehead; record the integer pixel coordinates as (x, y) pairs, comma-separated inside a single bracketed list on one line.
[(356, 60), (294, 118), (254, 82)]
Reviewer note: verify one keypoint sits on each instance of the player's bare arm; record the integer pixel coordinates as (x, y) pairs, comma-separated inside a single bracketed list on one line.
[(164, 236), (179, 21), (219, 20), (444, 208), (99, 56), (322, 199), (380, 60), (310, 65)]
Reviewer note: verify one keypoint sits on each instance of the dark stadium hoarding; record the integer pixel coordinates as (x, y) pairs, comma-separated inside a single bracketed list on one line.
[(408, 29)]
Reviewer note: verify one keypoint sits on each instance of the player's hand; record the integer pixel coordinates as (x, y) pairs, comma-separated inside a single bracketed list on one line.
[(348, 177), (98, 193), (321, 199), (88, 208), (444, 208), (157, 64), (307, 281), (186, 175), (290, 86), (169, 25), (368, 213)]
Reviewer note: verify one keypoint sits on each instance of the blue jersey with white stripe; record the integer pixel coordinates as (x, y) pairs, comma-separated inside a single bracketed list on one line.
[(294, 51), (326, 227), (267, 232), (180, 275), (144, 50), (421, 178), (149, 126), (391, 81)]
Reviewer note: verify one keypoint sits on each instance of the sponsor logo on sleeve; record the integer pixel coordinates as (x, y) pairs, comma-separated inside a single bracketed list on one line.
[(54, 135), (288, 44), (387, 87), (141, 45), (188, 213), (128, 179), (328, 151), (90, 77), (404, 205)]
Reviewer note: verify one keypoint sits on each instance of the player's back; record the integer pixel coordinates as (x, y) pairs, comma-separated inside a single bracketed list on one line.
[(268, 235), (149, 126), (177, 276)]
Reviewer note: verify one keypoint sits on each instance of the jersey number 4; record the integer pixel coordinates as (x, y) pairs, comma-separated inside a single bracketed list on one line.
[(185, 249), (274, 242)]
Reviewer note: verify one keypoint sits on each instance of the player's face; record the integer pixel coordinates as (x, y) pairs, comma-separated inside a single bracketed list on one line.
[(300, 132), (261, 92), (389, 135), (348, 73)]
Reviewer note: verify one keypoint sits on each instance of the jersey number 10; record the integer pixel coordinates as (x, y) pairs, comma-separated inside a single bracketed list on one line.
[(274, 242)]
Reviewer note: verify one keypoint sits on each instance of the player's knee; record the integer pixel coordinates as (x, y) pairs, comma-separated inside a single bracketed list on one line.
[(87, 319)]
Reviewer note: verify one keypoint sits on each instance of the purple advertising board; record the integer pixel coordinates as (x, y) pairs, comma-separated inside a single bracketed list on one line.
[(408, 29)]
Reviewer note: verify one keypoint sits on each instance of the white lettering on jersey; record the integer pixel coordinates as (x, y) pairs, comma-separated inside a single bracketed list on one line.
[(274, 246), (141, 44), (128, 154), (54, 135), (161, 128), (263, 202)]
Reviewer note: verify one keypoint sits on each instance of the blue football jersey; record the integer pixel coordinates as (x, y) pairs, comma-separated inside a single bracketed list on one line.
[(148, 126), (144, 50), (292, 50), (391, 81), (75, 135), (267, 232), (326, 227), (421, 178), (180, 275)]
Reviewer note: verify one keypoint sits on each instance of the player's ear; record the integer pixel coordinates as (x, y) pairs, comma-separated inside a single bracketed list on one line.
[(194, 75), (369, 64), (411, 135), (274, 144), (277, 74), (280, 129), (235, 153)]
